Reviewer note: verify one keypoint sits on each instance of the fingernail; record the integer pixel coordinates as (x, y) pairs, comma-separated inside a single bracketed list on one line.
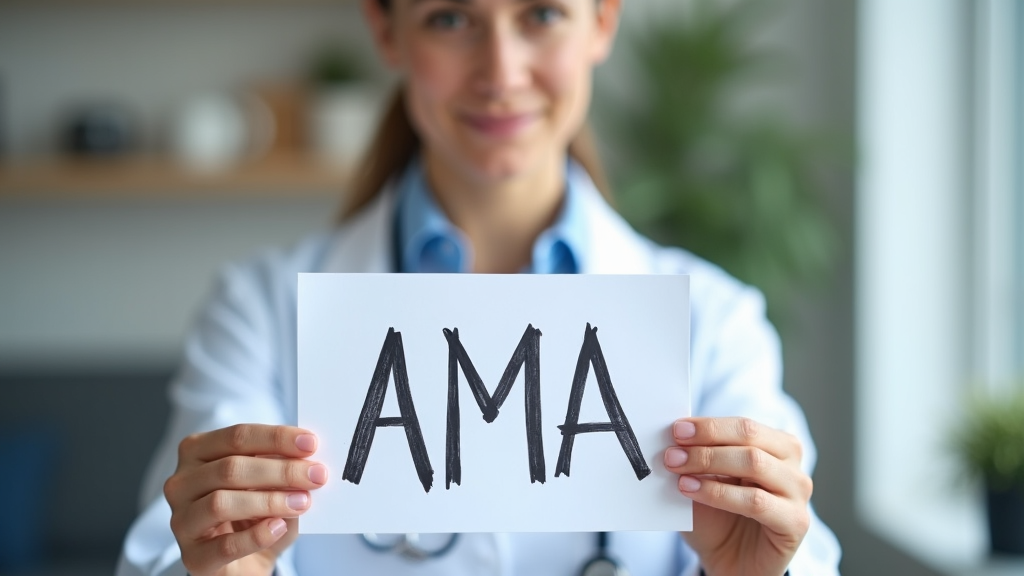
[(297, 501), (674, 457), (684, 430), (278, 527), (318, 474), (305, 442), (689, 484)]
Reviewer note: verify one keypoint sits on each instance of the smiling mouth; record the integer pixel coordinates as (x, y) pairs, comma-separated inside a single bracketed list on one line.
[(499, 126)]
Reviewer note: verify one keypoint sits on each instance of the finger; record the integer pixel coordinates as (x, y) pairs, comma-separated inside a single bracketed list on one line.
[(736, 432), (248, 440), (742, 462), (213, 554), (245, 473), (780, 515), (222, 506)]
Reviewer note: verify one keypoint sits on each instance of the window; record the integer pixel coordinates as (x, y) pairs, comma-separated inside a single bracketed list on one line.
[(940, 257)]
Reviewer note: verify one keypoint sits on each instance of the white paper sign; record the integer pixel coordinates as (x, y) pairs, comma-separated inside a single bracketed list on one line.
[(480, 403)]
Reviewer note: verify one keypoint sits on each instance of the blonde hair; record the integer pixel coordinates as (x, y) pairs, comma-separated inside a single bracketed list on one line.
[(396, 142)]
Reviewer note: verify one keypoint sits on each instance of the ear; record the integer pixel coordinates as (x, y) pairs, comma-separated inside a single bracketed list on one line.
[(608, 12), (382, 28)]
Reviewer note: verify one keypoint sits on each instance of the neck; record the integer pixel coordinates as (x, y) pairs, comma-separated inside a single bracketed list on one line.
[(502, 219)]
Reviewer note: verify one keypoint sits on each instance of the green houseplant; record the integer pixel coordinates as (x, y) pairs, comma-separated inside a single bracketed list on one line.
[(990, 445), (739, 188), (336, 64)]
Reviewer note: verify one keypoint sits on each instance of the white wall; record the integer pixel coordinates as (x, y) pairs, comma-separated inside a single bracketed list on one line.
[(114, 283)]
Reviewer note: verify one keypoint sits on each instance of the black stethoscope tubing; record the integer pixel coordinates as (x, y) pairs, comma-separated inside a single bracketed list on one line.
[(408, 547)]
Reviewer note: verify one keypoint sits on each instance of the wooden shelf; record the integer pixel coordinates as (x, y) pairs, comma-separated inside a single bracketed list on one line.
[(150, 3), (282, 175)]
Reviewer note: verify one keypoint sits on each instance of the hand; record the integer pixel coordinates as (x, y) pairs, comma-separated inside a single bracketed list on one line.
[(237, 495), (749, 493)]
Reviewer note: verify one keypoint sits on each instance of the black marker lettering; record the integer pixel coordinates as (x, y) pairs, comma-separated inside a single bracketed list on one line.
[(590, 353), (391, 360), (527, 353)]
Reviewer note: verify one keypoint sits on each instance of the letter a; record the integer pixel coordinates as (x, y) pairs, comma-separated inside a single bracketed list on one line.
[(591, 353), (527, 354), (392, 359)]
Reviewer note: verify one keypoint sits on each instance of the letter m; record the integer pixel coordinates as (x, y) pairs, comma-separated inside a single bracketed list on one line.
[(527, 354)]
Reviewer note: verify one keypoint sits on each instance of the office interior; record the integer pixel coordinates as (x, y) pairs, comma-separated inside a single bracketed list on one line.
[(108, 248)]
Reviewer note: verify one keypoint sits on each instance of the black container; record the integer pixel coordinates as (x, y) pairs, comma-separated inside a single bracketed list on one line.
[(99, 130), (3, 120), (1006, 521)]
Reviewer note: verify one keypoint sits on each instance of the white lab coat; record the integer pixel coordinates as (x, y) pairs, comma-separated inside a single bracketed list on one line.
[(240, 366)]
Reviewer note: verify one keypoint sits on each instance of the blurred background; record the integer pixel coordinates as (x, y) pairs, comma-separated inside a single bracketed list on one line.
[(859, 161)]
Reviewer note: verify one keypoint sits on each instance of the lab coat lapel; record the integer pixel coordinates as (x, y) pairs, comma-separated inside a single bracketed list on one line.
[(614, 247), (364, 243)]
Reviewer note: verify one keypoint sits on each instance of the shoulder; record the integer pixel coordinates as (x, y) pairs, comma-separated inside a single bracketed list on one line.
[(273, 272), (731, 339), (713, 291), (619, 249), (735, 352), (270, 278), (252, 303)]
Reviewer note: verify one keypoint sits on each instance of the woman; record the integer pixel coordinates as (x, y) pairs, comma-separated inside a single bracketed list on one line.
[(482, 165)]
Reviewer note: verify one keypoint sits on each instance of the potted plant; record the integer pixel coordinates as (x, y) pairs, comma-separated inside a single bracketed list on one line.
[(344, 105), (990, 445)]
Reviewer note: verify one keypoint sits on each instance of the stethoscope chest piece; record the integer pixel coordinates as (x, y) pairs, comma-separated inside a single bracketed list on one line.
[(603, 566)]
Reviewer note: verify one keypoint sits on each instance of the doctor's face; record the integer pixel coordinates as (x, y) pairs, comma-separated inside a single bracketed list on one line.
[(496, 88)]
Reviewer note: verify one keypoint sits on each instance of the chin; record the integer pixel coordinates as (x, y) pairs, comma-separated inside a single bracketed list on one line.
[(496, 166)]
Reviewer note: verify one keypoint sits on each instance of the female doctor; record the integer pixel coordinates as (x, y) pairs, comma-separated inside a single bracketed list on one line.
[(482, 164)]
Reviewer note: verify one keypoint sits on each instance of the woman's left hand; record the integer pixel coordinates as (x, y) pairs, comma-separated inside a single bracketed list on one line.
[(749, 493)]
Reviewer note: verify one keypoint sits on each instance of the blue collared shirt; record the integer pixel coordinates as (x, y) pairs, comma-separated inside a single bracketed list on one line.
[(429, 242)]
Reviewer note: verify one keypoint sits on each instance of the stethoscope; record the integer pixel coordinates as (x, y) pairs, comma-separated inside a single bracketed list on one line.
[(410, 547), (413, 546)]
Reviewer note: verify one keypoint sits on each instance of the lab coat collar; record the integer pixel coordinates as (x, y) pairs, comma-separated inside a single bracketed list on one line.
[(365, 242), (614, 247)]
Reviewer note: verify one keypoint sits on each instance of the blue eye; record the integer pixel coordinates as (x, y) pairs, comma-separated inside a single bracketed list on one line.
[(447, 20), (545, 14)]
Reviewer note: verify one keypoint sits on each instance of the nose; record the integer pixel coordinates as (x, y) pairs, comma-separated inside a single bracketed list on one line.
[(502, 61)]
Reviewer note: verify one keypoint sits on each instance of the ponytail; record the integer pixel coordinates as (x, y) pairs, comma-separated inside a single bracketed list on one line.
[(389, 153)]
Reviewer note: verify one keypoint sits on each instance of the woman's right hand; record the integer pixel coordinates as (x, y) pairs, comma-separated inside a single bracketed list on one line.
[(237, 495)]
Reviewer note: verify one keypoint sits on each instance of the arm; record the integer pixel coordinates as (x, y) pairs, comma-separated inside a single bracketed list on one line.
[(749, 477), (229, 376)]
